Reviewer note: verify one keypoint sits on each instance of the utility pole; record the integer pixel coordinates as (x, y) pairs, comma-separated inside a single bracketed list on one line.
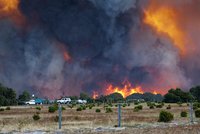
[(59, 116), (191, 113), (119, 115)]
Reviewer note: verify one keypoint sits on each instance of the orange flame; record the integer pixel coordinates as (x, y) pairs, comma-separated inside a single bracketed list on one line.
[(125, 91), (164, 20), (155, 93), (95, 95), (9, 8), (66, 56)]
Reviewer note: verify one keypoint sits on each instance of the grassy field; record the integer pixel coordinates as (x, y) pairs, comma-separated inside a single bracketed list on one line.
[(19, 119)]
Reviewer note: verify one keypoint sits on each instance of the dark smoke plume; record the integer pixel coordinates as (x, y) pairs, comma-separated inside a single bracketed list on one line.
[(106, 41)]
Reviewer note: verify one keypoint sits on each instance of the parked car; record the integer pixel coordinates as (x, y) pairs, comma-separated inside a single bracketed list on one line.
[(31, 102), (82, 101), (38, 101), (64, 100)]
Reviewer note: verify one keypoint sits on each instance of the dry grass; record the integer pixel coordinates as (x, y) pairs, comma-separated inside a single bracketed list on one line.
[(145, 121)]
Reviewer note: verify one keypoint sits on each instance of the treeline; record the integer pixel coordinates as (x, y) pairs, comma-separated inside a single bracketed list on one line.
[(7, 96)]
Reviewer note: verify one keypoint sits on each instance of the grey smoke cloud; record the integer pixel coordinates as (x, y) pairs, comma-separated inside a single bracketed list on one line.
[(107, 42)]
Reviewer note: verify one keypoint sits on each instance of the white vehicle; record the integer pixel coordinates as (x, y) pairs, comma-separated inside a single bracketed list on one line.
[(64, 100), (82, 101), (31, 102)]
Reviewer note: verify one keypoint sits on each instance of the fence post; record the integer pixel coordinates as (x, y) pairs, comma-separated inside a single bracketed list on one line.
[(191, 113), (119, 115), (60, 116)]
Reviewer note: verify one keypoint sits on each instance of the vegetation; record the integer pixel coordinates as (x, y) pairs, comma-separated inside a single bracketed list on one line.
[(195, 91), (7, 108), (177, 95), (197, 113), (7, 96), (52, 109), (108, 110), (1, 109), (25, 96), (138, 108), (38, 108), (98, 110), (79, 109), (165, 116), (183, 114), (168, 107), (36, 117), (146, 96)]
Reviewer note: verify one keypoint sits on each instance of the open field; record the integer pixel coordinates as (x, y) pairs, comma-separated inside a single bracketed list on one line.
[(19, 120)]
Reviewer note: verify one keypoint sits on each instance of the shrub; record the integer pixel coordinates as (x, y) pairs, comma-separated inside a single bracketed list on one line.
[(38, 108), (151, 107), (169, 107), (139, 107), (124, 105), (98, 110), (165, 116), (180, 104), (56, 118), (128, 104), (36, 117), (136, 103), (159, 106), (52, 109), (7, 108), (196, 105), (197, 113), (79, 109), (183, 114), (108, 110), (1, 109), (63, 108), (136, 109)]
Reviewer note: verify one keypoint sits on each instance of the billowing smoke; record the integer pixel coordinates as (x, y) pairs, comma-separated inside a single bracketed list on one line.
[(65, 47)]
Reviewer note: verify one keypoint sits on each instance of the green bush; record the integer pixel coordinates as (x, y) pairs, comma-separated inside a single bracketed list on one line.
[(36, 117), (108, 110), (7, 108), (183, 114), (1, 109), (151, 107), (79, 109), (197, 113), (136, 103), (63, 108), (165, 116), (196, 105), (159, 106), (136, 109), (140, 107), (38, 108), (124, 105), (52, 109), (98, 110), (169, 107)]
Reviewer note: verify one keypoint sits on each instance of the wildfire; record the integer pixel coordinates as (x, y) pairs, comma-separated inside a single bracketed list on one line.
[(95, 95), (66, 56), (164, 20), (155, 93), (9, 8), (125, 91)]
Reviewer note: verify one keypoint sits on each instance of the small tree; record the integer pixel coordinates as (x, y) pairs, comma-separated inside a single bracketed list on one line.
[(25, 96), (36, 117), (183, 114), (165, 116), (197, 113)]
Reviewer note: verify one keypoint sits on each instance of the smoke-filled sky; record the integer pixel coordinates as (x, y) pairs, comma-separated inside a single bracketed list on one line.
[(64, 47)]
